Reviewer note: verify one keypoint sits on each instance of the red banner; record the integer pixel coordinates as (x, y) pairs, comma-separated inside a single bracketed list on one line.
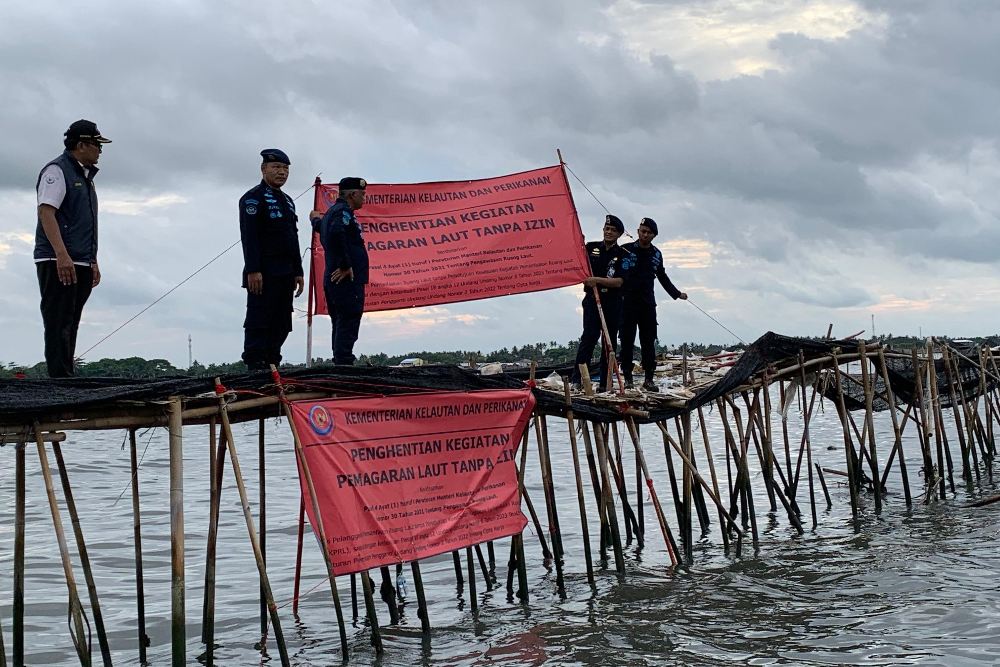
[(434, 243), (402, 478)]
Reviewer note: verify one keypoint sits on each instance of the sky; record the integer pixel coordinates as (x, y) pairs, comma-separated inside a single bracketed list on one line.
[(808, 163)]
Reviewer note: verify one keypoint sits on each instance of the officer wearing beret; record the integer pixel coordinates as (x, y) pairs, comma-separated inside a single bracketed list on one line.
[(610, 264), (346, 272), (272, 262), (66, 241), (639, 306)]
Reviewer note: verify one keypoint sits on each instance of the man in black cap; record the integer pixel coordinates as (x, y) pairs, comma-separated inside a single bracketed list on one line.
[(610, 264), (66, 241), (346, 271), (272, 262), (639, 308)]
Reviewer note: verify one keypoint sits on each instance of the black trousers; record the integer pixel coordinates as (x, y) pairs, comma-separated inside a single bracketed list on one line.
[(62, 307), (592, 333), (268, 321), (641, 316), (346, 302)]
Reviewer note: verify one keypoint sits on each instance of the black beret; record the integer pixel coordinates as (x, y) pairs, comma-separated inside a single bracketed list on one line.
[(352, 183), (615, 222), (274, 155), (649, 222)]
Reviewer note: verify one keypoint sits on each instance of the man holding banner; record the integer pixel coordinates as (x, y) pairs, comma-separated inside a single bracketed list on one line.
[(610, 265), (346, 271)]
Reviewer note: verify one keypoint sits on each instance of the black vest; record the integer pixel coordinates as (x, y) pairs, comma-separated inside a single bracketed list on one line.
[(77, 216)]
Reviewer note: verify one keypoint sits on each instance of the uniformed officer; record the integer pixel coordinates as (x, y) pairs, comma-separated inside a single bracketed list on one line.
[(346, 271), (639, 307), (609, 266), (272, 262)]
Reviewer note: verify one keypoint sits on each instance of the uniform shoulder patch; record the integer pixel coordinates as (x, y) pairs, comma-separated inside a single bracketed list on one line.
[(251, 209)]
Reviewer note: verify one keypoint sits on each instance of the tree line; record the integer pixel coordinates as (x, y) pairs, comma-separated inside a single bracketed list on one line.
[(550, 353)]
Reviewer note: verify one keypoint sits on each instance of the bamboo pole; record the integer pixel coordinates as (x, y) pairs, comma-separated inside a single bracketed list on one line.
[(78, 627), (897, 446), (584, 523), (81, 545), (939, 435), (806, 441), (262, 528), (252, 532), (609, 501), (822, 481), (602, 514), (848, 444), (388, 594), (686, 527), (473, 602), (867, 382), (418, 584), (618, 468), (661, 517), (715, 480), (548, 487), (321, 534), (217, 466), (300, 534), (922, 409), (178, 632), (18, 606)]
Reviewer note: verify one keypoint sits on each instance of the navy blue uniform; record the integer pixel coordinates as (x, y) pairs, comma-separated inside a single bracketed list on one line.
[(344, 248), (639, 306), (605, 262), (270, 240)]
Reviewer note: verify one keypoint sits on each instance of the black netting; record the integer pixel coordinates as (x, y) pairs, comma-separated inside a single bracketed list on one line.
[(22, 401)]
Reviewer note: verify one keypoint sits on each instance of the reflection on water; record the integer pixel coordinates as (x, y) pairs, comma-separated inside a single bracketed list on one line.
[(917, 586)]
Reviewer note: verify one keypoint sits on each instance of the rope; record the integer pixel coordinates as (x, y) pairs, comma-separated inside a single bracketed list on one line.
[(716, 321), (599, 202), (172, 289)]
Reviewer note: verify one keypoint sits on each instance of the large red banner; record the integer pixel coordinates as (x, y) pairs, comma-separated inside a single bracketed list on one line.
[(434, 243), (402, 478)]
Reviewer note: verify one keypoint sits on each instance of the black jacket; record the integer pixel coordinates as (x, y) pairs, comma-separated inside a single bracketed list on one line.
[(269, 234)]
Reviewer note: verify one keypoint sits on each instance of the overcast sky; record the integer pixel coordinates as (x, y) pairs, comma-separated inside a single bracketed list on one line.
[(808, 162)]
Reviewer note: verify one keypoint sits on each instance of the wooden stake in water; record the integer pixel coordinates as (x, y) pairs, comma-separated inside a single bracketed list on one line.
[(178, 633), (584, 523)]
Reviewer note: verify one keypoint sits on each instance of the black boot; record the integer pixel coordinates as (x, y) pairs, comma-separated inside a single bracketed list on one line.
[(650, 386), (628, 382)]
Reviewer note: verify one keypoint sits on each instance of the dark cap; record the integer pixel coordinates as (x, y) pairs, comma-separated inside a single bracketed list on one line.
[(85, 130), (352, 183), (649, 222), (615, 222), (274, 155)]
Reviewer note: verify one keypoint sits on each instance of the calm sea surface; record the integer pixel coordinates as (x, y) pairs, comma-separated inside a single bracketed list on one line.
[(912, 586)]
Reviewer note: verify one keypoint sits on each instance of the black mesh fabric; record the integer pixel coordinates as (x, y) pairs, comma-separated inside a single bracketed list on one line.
[(22, 401)]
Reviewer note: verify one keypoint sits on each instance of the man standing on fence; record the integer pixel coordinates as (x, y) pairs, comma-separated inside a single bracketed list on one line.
[(610, 264), (639, 308), (272, 262), (66, 241), (346, 271)]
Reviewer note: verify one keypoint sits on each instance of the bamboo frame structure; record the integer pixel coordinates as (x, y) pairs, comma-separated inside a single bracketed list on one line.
[(755, 461)]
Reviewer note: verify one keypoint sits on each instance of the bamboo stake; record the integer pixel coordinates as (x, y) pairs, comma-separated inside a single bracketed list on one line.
[(767, 462), (252, 532), (609, 501), (262, 530), (178, 632), (939, 434), (321, 534), (689, 464), (208, 608), (81, 545), (618, 467), (922, 409), (19, 502), (78, 628), (584, 523), (418, 584), (958, 401), (848, 444), (298, 554), (686, 527), (867, 382), (807, 443), (388, 594), (473, 602), (822, 481), (897, 446), (207, 603), (548, 487), (602, 513), (715, 481), (661, 517)]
